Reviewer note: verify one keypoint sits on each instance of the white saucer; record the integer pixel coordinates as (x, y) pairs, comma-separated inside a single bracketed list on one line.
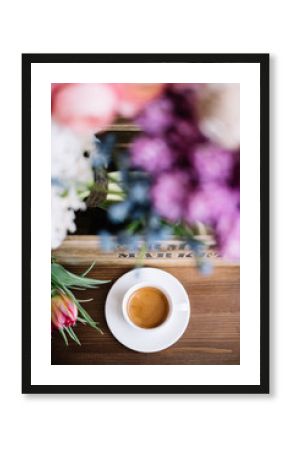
[(154, 340)]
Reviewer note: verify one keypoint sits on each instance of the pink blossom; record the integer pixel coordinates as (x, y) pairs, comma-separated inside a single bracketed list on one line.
[(168, 195), (211, 163), (209, 202), (86, 108), (156, 117), (151, 154), (132, 97), (64, 312)]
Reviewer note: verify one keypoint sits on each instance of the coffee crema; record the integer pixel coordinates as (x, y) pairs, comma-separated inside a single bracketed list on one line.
[(148, 307)]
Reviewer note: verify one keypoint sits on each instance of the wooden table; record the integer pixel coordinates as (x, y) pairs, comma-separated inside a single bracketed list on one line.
[(212, 336)]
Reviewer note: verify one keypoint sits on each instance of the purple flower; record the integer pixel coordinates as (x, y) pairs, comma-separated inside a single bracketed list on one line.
[(156, 117), (224, 225), (199, 207), (228, 235), (151, 154), (168, 195), (209, 202), (183, 135), (235, 181), (211, 163), (193, 180)]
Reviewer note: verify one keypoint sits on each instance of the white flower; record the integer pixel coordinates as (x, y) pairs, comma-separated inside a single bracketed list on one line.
[(68, 162), (62, 213), (218, 109), (71, 172)]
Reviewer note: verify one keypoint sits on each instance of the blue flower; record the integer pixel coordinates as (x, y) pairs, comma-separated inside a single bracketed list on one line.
[(154, 222), (106, 241), (103, 154), (130, 241), (196, 246), (139, 192), (151, 239), (165, 233), (119, 212), (137, 212), (205, 267)]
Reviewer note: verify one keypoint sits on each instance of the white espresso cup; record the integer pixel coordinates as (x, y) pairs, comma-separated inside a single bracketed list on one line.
[(135, 288)]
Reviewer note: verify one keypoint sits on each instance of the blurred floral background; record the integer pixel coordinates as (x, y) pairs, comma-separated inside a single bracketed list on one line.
[(177, 176), (180, 171)]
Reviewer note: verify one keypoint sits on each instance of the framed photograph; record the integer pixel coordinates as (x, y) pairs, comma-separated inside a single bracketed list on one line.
[(146, 214)]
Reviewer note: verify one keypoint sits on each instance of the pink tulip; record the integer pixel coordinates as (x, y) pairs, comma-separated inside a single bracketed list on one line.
[(64, 312), (134, 96), (86, 108)]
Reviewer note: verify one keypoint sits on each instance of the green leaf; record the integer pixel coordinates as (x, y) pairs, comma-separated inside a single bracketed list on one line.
[(53, 292), (86, 301), (67, 329), (63, 335), (81, 320), (73, 335), (84, 322), (141, 255), (67, 291), (62, 277), (88, 318), (133, 226), (89, 269), (84, 313)]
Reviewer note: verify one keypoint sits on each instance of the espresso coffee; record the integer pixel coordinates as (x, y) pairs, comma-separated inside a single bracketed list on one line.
[(148, 307)]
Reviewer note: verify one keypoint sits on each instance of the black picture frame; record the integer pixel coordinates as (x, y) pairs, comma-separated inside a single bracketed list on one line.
[(263, 61)]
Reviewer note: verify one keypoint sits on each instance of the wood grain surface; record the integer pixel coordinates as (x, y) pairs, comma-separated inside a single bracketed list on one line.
[(212, 336)]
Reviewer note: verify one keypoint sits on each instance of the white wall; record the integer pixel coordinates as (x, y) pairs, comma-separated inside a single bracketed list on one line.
[(202, 422)]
